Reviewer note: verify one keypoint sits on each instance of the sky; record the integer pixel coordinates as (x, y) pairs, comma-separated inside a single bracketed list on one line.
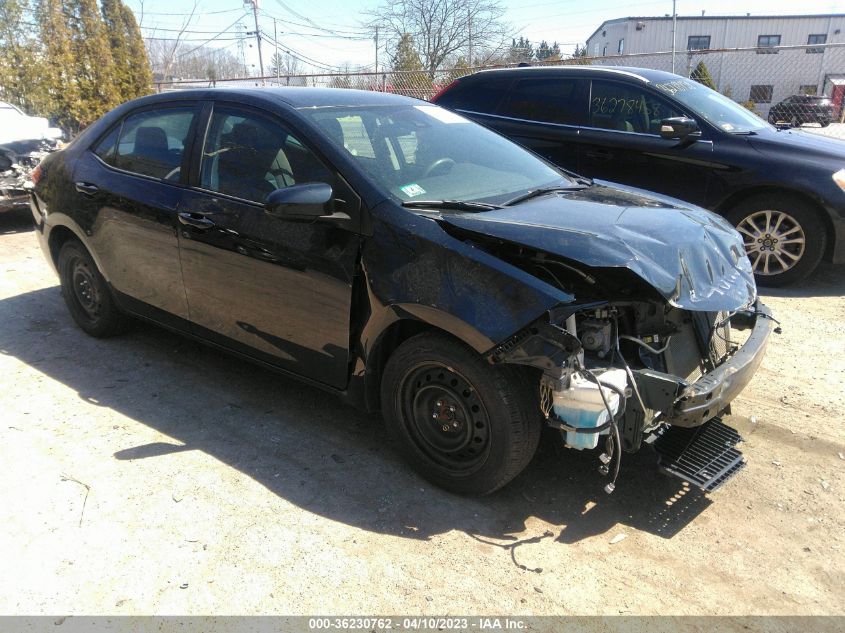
[(329, 34)]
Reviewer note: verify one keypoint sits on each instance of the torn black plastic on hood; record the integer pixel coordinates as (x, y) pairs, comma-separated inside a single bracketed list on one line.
[(693, 258)]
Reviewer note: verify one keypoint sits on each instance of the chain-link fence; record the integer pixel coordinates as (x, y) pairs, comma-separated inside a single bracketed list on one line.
[(786, 85)]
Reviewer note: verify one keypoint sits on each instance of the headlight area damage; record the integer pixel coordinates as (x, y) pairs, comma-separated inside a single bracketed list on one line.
[(627, 364)]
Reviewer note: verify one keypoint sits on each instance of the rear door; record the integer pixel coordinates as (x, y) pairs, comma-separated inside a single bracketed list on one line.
[(621, 142), (544, 115), (276, 289), (129, 185)]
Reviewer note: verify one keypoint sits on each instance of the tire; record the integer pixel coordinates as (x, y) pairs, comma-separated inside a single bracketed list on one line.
[(788, 219), (87, 294), (487, 425), (824, 122)]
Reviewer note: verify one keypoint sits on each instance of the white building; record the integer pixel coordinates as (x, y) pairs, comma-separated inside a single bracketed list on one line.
[(763, 75)]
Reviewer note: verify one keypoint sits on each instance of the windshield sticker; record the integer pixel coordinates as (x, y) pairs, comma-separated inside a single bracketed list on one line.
[(676, 86), (441, 114), (412, 190)]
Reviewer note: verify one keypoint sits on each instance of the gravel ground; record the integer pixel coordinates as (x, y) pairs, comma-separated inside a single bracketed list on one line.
[(150, 474)]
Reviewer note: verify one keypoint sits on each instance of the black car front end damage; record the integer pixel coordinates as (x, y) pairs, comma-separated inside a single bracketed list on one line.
[(683, 369), (664, 329)]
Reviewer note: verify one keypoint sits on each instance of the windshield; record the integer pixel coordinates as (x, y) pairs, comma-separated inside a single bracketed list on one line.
[(422, 152), (716, 108)]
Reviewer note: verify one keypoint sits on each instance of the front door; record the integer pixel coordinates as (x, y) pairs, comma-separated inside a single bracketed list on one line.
[(277, 289), (621, 142)]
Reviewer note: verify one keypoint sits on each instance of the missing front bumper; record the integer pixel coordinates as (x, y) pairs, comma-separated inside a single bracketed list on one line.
[(690, 405)]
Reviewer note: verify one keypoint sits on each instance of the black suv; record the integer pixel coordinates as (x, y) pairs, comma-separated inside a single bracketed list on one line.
[(800, 109), (783, 190)]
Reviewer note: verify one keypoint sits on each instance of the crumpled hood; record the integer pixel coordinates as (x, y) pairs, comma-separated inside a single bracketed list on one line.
[(692, 257)]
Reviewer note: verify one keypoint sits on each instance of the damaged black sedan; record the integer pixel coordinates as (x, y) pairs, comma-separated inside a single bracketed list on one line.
[(416, 263)]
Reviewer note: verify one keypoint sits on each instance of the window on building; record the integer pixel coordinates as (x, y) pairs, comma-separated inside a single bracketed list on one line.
[(698, 42), (809, 89), (818, 38), (604, 51), (761, 93), (765, 43), (621, 47)]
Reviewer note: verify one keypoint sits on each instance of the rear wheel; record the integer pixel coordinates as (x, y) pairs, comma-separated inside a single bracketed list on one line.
[(86, 293), (462, 423), (784, 237)]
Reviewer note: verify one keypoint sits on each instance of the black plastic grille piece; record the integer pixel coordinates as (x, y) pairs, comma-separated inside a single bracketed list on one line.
[(705, 456)]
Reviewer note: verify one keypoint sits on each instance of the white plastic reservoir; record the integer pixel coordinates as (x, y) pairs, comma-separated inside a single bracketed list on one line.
[(581, 405)]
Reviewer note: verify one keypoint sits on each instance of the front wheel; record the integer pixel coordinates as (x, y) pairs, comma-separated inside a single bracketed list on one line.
[(784, 237), (463, 424)]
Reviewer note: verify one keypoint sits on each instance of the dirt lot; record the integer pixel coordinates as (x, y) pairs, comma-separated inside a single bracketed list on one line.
[(149, 474)]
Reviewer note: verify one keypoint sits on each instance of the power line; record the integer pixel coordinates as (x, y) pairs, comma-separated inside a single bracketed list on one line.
[(211, 39)]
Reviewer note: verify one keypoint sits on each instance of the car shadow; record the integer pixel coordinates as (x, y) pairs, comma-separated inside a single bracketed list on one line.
[(827, 281), (313, 451), (16, 221)]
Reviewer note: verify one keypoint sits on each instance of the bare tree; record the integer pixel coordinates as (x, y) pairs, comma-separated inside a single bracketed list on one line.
[(443, 30), (162, 51)]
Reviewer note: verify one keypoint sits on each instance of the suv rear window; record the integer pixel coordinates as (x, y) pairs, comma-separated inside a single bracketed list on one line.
[(550, 100), (476, 95)]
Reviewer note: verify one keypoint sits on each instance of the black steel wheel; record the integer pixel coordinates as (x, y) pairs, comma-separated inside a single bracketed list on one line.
[(86, 293), (463, 424)]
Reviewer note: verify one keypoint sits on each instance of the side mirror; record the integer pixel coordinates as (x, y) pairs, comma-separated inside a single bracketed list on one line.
[(307, 201), (679, 128)]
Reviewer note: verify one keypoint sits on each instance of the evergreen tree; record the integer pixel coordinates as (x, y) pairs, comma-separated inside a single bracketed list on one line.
[(119, 46), (58, 64), (521, 51), (140, 74), (546, 53), (21, 80), (702, 75), (406, 57)]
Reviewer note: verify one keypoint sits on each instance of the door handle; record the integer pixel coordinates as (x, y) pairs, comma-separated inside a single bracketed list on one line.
[(600, 154), (195, 220), (87, 189)]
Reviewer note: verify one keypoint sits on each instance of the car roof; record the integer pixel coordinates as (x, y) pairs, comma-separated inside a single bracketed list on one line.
[(295, 97), (645, 75)]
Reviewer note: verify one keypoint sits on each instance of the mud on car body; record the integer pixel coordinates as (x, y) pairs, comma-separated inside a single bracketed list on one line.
[(412, 262)]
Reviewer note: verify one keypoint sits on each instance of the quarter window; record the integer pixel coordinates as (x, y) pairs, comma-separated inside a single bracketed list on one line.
[(105, 148), (152, 143), (817, 38), (547, 100), (698, 42), (761, 93), (615, 106), (249, 156), (765, 43)]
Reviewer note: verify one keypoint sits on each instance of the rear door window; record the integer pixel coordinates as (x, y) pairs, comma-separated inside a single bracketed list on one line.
[(478, 95), (618, 106), (152, 142), (550, 100)]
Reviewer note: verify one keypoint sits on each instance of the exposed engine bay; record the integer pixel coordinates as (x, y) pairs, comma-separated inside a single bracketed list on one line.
[(638, 370), (17, 161)]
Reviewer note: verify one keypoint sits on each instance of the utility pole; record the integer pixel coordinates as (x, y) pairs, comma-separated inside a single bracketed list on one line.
[(254, 4), (376, 38), (469, 25), (276, 58), (674, 25)]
